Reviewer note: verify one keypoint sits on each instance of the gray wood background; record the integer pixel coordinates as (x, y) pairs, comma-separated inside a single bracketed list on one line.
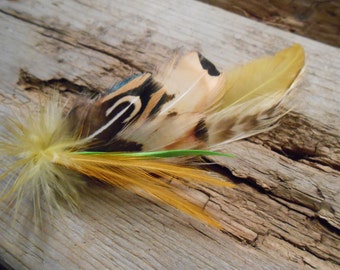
[(284, 213)]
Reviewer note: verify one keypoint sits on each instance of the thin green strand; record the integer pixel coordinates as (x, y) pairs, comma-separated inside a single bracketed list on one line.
[(158, 154)]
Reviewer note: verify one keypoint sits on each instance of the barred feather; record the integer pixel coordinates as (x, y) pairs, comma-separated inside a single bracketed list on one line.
[(203, 108), (188, 105)]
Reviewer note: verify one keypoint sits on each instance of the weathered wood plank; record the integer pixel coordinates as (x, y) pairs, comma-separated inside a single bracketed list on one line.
[(315, 19), (284, 214)]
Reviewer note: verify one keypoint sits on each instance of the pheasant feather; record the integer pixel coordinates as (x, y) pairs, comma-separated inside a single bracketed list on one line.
[(135, 136)]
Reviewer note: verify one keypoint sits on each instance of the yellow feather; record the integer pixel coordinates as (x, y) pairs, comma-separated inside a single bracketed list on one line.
[(34, 139), (263, 77), (251, 98)]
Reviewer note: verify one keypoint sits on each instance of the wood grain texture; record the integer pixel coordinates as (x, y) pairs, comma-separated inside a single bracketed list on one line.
[(284, 213), (315, 19)]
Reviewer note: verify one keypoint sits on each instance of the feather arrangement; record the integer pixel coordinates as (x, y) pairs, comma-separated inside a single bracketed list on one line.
[(136, 134)]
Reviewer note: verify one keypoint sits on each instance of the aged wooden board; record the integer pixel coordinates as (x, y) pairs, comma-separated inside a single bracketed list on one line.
[(284, 213), (315, 19)]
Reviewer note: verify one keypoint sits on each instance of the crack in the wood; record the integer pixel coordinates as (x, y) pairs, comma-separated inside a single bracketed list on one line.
[(27, 20), (299, 139), (44, 34), (328, 226), (321, 221), (29, 82), (225, 171), (300, 155), (203, 233), (321, 257), (325, 223), (319, 192), (235, 179), (308, 264), (278, 200), (119, 58), (94, 48), (303, 248)]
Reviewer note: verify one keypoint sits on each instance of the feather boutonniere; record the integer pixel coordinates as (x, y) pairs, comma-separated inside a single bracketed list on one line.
[(136, 134)]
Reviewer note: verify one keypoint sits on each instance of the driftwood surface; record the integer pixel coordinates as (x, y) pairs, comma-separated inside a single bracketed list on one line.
[(315, 19), (284, 212)]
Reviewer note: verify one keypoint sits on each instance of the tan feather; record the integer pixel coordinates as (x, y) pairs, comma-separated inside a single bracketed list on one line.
[(191, 84)]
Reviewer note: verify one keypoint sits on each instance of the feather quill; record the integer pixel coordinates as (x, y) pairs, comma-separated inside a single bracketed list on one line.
[(135, 136)]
